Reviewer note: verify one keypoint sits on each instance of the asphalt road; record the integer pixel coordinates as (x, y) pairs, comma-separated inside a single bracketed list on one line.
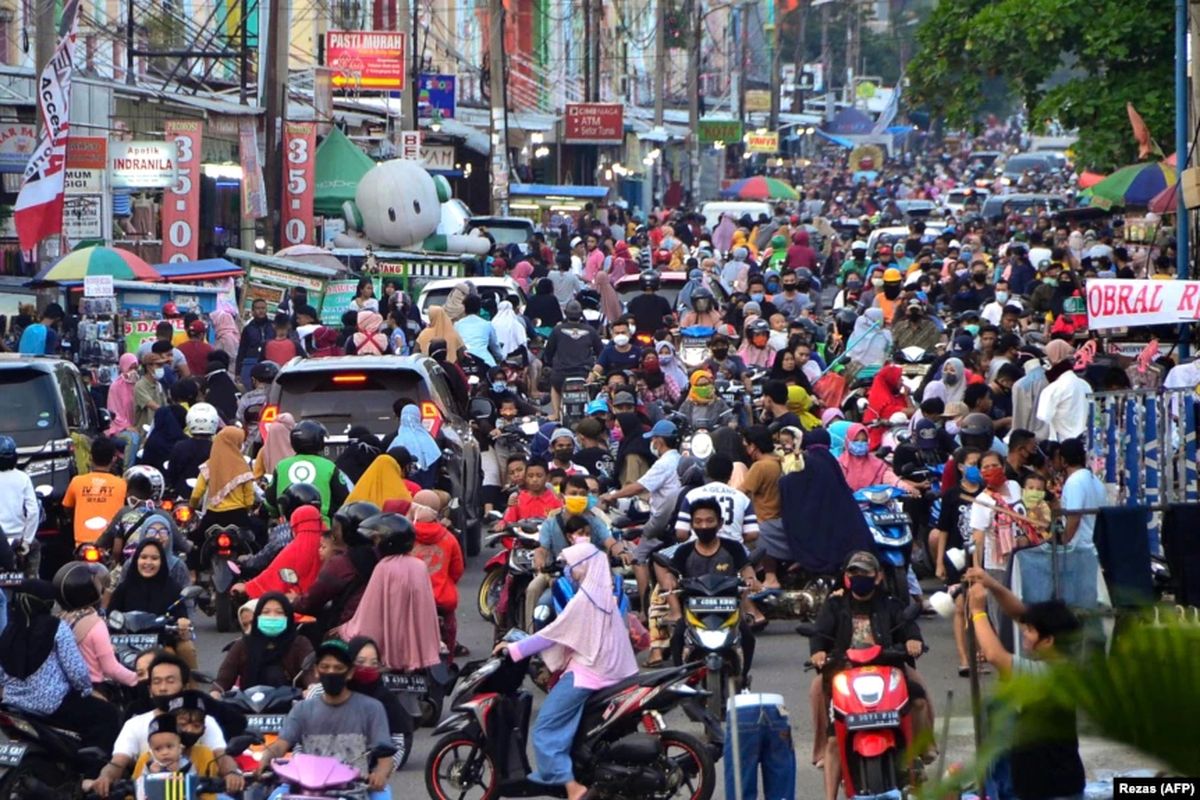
[(777, 668)]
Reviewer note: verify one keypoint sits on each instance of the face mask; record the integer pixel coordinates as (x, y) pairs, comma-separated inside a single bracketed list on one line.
[(950, 379), (704, 392), (592, 501), (789, 287), (757, 297), (334, 683), (1033, 497), (972, 475), (994, 477), (271, 626), (130, 377), (163, 701), (366, 676), (720, 352), (858, 448), (620, 340), (189, 738), (563, 453), (877, 283), (772, 287), (1002, 297), (159, 372), (705, 535), (499, 386), (666, 358), (891, 292), (575, 504), (862, 585), (1050, 281)]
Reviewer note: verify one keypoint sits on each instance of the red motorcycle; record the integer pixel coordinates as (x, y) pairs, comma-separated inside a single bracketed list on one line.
[(507, 574)]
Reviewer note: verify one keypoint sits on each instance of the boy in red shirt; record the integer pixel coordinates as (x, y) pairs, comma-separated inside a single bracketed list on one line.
[(535, 500), (443, 557)]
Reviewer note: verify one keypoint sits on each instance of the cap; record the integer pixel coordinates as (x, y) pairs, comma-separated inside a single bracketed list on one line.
[(576, 241), (597, 406), (884, 249), (954, 245), (560, 433), (338, 649), (858, 244), (163, 723), (955, 409), (190, 700), (926, 434), (915, 302), (664, 427), (862, 560), (624, 399), (197, 326)]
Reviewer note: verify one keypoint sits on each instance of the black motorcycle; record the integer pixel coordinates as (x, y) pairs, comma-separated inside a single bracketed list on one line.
[(223, 544)]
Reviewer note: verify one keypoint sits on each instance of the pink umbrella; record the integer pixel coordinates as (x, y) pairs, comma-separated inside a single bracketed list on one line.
[(1165, 202)]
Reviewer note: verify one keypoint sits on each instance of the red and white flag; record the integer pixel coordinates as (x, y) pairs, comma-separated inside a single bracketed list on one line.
[(38, 211)]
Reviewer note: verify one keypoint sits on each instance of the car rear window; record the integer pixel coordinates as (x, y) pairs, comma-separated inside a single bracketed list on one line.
[(506, 235), (32, 415), (339, 399), (437, 297)]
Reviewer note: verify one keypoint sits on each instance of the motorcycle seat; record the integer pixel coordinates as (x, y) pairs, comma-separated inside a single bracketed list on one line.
[(41, 725), (651, 677)]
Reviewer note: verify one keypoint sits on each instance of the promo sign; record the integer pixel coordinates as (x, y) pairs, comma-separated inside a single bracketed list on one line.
[(17, 142), (366, 59), (254, 192), (766, 142), (296, 216), (435, 92), (594, 123), (141, 165), (719, 130), (181, 203), (1116, 303), (82, 219), (87, 158)]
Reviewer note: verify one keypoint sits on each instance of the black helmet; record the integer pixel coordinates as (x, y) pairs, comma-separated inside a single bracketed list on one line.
[(351, 516), (651, 281), (573, 311), (264, 371), (308, 437), (8, 452), (392, 533), (296, 495), (758, 327), (976, 430), (79, 584), (702, 295)]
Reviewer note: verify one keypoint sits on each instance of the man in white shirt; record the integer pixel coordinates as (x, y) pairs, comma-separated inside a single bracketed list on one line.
[(19, 512), (1063, 404), (1081, 490), (738, 522)]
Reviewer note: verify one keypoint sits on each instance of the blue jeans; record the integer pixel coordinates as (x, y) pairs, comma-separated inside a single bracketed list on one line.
[(764, 737), (554, 732)]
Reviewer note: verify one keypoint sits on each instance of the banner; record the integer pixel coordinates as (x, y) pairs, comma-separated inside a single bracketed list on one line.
[(296, 215), (1116, 303), (435, 92), (594, 123), (38, 210), (181, 202), (87, 160), (370, 60), (888, 116), (712, 131), (254, 193), (762, 142)]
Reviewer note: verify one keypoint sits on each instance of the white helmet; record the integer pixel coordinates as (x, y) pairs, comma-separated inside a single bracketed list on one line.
[(157, 484), (858, 244), (203, 419)]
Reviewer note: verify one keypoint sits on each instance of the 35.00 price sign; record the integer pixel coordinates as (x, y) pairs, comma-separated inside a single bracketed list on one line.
[(299, 142), (181, 202)]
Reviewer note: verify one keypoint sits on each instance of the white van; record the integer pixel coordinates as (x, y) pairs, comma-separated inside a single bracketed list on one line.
[(713, 210)]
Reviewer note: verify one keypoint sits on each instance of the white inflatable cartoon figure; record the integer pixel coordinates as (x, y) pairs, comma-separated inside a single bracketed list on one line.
[(398, 205)]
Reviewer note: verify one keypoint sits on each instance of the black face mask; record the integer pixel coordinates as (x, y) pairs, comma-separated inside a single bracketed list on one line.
[(334, 683), (720, 352), (188, 738), (705, 535), (789, 287), (563, 453), (162, 702), (891, 292), (862, 585)]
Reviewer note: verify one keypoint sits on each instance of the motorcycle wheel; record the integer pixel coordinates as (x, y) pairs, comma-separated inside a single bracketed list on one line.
[(715, 685), (431, 712), (34, 776), (876, 775), (691, 756), (224, 613), (489, 593), (458, 764)]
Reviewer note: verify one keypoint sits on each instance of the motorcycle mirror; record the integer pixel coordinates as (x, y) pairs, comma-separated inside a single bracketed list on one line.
[(289, 576), (191, 592), (116, 620), (240, 743)]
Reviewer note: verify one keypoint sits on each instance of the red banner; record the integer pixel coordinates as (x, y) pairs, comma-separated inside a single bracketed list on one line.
[(181, 202), (594, 123), (369, 60), (296, 217)]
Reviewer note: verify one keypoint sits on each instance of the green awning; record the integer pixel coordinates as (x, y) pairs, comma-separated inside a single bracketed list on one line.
[(340, 165)]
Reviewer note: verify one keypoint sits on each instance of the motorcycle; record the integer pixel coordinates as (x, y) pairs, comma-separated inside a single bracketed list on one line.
[(891, 528), (301, 775), (502, 593), (132, 632), (41, 760), (483, 744), (693, 345), (915, 363), (575, 397), (265, 708), (422, 693), (799, 598), (219, 570), (712, 615)]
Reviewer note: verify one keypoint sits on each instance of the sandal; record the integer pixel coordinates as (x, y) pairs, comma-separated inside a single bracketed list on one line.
[(964, 672)]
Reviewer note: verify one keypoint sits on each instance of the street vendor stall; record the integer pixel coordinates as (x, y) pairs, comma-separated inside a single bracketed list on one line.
[(270, 278), (410, 269), (552, 205)]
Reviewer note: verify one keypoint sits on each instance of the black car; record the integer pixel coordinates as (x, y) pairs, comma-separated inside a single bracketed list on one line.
[(999, 205), (361, 390)]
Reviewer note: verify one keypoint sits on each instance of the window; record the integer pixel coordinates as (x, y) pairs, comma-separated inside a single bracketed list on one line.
[(31, 412)]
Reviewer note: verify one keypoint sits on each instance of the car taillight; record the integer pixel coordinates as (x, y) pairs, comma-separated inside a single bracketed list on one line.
[(268, 414), (350, 379), (431, 418)]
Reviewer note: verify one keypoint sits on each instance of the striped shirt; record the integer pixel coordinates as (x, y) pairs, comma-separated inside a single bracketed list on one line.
[(737, 513)]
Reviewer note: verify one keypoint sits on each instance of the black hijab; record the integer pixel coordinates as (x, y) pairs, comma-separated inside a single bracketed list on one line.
[(632, 441), (363, 448), (795, 374), (138, 593), (169, 421), (28, 639), (265, 654)]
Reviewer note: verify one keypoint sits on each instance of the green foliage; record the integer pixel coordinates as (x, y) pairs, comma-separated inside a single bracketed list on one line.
[(1112, 51)]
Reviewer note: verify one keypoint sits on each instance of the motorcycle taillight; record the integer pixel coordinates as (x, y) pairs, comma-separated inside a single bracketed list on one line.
[(224, 544)]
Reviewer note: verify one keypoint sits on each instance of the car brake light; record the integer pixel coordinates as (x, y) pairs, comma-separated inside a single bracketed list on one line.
[(268, 414), (431, 418), (355, 379)]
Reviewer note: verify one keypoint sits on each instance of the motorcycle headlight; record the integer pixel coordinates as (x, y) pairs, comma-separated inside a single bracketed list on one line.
[(878, 497), (869, 689), (712, 640)]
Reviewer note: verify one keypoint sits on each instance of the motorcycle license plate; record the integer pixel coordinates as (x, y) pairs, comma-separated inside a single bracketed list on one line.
[(895, 518), (11, 753), (400, 682), (9, 579), (576, 398), (522, 558), (265, 723), (710, 605), (873, 719), (137, 641)]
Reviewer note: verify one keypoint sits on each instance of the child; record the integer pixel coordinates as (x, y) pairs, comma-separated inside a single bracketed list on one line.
[(514, 471), (443, 557), (166, 757), (557, 478), (788, 448), (535, 500), (1033, 497)]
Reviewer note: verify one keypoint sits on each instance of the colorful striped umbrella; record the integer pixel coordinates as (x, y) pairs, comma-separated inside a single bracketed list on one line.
[(760, 187), (78, 264), (1165, 202), (1135, 185)]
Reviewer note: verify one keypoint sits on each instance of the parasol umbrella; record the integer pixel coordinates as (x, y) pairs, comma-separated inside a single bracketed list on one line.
[(1165, 202), (1088, 179), (79, 264), (311, 254), (1136, 184), (760, 187)]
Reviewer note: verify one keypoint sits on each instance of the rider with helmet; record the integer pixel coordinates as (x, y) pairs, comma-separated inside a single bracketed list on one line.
[(571, 351), (262, 375), (296, 495), (20, 512), (334, 597), (143, 514), (183, 464), (756, 350), (703, 312), (856, 264), (889, 298), (79, 587), (309, 466), (649, 308)]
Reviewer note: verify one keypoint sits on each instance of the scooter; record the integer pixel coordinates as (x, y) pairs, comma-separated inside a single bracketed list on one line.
[(621, 749), (891, 528), (40, 760), (712, 614), (265, 708), (219, 571), (310, 777), (502, 592), (132, 632)]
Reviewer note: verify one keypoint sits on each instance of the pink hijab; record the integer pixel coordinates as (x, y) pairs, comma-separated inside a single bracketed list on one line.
[(622, 259), (521, 274), (225, 332), (277, 442), (863, 471), (368, 341), (590, 631), (120, 395), (610, 303), (397, 610)]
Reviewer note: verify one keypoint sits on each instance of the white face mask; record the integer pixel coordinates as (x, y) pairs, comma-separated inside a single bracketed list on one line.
[(159, 372), (621, 339)]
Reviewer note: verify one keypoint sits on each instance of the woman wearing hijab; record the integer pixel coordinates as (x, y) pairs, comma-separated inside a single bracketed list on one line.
[(510, 329), (224, 489), (789, 371), (225, 332), (325, 343), (441, 327), (166, 430), (424, 449), (695, 280), (722, 236), (704, 408), (362, 448), (271, 654), (368, 680), (81, 585), (589, 645), (861, 467), (800, 403), (276, 447), (398, 609), (369, 339), (147, 584), (522, 272), (951, 383), (656, 386), (543, 309), (382, 481), (219, 389), (610, 301), (886, 396), (123, 409), (443, 557), (669, 363), (301, 555), (870, 343), (623, 262), (633, 453), (455, 301), (43, 673)]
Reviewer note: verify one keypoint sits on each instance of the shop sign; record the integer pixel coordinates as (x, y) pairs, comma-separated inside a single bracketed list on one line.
[(17, 143), (87, 158), (594, 123), (410, 145), (82, 218), (766, 142), (271, 285), (435, 92), (758, 100), (296, 216), (438, 156), (141, 165), (181, 202), (719, 130), (366, 59), (1116, 303), (139, 330)]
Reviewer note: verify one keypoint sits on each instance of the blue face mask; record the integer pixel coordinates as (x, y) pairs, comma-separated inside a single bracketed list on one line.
[(973, 475), (772, 287), (499, 386), (757, 297), (592, 501), (859, 448)]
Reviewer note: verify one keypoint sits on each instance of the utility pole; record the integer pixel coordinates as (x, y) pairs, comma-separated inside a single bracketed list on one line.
[(275, 88), (660, 61), (773, 27), (408, 111), (499, 115), (798, 58), (743, 60), (694, 16)]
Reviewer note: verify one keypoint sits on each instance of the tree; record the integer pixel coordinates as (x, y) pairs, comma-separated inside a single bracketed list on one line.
[(1069, 61)]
